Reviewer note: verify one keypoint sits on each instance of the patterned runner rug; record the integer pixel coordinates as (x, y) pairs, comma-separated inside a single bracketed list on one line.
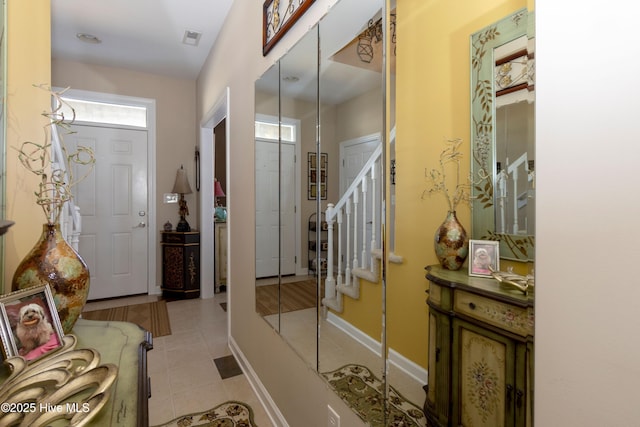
[(362, 391), (229, 414), (152, 316)]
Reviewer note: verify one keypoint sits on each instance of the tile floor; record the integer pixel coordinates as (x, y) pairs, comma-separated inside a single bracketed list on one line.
[(184, 376)]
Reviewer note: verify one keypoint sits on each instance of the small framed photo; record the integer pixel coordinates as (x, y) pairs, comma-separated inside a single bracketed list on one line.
[(484, 256), (30, 324)]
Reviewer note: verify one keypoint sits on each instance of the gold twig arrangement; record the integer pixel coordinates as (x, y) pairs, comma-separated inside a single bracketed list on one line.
[(437, 177), (56, 178)]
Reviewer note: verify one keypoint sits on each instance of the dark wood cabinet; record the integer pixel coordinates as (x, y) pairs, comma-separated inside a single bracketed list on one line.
[(181, 264), (480, 352)]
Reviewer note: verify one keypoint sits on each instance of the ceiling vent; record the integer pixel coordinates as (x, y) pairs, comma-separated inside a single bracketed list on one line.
[(192, 38)]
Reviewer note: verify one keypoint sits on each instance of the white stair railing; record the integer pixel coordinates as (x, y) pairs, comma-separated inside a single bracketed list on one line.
[(350, 214), (70, 220)]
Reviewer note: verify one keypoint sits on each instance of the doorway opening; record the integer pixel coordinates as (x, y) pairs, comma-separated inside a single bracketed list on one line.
[(104, 121)]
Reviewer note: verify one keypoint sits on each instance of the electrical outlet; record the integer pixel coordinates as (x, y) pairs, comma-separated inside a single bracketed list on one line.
[(334, 418)]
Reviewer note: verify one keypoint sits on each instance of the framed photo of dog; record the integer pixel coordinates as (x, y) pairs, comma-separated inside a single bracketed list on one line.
[(30, 324), (484, 257)]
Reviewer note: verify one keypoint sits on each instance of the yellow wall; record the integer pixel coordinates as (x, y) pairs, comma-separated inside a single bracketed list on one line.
[(432, 105), (29, 63)]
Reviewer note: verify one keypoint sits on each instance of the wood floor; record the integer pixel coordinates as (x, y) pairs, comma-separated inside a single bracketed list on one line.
[(293, 296)]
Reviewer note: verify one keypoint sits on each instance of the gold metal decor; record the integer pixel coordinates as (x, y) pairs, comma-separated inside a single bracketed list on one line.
[(68, 385), (523, 283)]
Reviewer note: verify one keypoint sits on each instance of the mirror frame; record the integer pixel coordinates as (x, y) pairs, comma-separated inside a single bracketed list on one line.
[(483, 136)]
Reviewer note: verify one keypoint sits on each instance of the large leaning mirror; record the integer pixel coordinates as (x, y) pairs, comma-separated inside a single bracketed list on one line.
[(351, 91), (329, 116), (286, 118)]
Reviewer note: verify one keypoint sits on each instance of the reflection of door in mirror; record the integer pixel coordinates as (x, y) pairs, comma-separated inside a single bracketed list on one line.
[(286, 112)]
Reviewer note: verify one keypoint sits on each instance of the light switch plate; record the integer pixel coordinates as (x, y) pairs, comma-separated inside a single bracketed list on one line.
[(170, 197)]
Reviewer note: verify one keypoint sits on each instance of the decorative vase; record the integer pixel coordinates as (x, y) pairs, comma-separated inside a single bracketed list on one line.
[(52, 261), (451, 243)]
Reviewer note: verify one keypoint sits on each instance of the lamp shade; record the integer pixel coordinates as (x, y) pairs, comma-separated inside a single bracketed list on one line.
[(181, 185), (218, 189)]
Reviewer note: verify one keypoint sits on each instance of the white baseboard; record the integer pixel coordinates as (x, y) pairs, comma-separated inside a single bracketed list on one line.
[(276, 417), (397, 360), (354, 333), (410, 368), (400, 362)]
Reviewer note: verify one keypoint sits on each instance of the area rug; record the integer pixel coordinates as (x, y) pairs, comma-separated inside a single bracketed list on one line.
[(229, 414), (362, 391), (152, 316)]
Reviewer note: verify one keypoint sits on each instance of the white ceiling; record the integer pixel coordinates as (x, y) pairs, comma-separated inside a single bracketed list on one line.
[(143, 35)]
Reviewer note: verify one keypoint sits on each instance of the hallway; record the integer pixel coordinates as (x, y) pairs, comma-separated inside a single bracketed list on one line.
[(184, 377)]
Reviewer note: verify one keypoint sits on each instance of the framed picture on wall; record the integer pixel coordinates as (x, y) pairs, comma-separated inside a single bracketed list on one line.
[(314, 173), (277, 18), (484, 256)]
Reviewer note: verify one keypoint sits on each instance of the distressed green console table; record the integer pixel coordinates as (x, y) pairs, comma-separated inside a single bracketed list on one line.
[(480, 352), (125, 345)]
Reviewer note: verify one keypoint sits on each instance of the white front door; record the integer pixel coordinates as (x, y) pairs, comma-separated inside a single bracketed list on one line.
[(114, 208), (354, 154), (272, 217)]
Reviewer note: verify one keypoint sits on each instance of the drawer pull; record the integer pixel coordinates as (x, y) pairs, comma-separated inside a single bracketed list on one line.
[(472, 306)]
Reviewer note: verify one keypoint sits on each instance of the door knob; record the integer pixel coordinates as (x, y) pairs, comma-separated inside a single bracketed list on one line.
[(140, 225)]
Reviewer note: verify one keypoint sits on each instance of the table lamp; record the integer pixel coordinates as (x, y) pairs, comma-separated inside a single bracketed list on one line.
[(182, 187), (221, 212)]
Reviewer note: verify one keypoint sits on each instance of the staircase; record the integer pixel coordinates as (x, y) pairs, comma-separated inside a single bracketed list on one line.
[(352, 215)]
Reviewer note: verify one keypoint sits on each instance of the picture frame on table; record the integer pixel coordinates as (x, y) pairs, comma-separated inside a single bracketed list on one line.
[(484, 256), (29, 324)]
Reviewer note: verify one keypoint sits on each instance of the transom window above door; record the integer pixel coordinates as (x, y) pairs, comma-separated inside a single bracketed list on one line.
[(103, 112)]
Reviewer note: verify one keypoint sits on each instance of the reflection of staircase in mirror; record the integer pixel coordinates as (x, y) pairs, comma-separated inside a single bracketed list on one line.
[(357, 218)]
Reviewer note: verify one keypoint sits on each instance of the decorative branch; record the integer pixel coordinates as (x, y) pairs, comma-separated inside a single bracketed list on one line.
[(54, 189), (438, 179)]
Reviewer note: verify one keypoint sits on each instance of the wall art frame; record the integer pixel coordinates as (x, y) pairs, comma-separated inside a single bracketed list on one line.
[(484, 256), (278, 16), (316, 170), (30, 325)]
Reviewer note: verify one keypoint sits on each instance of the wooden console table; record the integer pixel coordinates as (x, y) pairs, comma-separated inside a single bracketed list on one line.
[(181, 264), (220, 265), (480, 352)]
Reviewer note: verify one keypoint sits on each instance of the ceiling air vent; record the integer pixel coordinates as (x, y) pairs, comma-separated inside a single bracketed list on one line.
[(192, 38)]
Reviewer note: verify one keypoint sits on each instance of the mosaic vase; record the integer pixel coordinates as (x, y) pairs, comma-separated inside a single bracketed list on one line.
[(52, 261), (451, 243)]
